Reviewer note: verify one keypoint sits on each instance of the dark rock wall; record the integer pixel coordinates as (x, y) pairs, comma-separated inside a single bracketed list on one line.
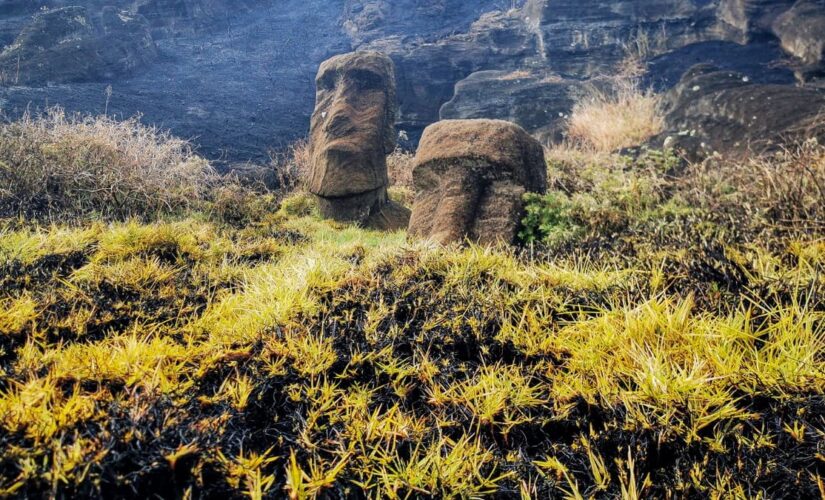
[(582, 37), (750, 19), (712, 110), (236, 76), (236, 86), (427, 72)]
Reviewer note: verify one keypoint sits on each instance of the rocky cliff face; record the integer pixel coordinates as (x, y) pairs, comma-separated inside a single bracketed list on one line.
[(236, 76), (67, 45), (579, 42), (712, 110), (801, 30), (579, 38)]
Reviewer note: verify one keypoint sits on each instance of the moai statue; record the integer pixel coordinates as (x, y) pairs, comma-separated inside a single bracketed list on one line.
[(352, 132), (470, 177)]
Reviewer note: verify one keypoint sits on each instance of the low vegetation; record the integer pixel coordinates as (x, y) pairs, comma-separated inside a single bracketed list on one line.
[(619, 115), (660, 334), (292, 166), (77, 165)]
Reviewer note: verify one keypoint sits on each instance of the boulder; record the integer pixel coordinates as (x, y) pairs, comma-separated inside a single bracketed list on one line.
[(802, 32), (64, 45), (352, 132), (712, 111), (748, 20), (470, 177)]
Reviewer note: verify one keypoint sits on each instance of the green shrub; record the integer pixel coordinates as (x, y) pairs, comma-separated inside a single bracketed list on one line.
[(548, 219)]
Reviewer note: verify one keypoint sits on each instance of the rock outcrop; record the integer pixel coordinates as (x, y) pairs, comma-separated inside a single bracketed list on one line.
[(453, 58), (582, 38), (713, 111), (368, 20), (539, 102), (428, 71), (802, 32), (576, 42), (63, 45), (761, 62), (176, 17), (352, 132), (748, 20), (15, 7), (470, 177)]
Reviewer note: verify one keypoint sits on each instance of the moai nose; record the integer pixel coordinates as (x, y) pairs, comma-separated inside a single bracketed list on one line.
[(338, 124)]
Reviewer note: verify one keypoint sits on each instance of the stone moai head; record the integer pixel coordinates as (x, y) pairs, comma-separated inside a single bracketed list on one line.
[(352, 132), (470, 177)]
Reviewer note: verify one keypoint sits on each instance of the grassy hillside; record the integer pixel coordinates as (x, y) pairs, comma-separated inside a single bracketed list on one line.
[(660, 333)]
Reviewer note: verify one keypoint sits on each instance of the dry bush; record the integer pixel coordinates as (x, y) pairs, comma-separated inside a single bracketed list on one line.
[(768, 198), (56, 164), (292, 166), (400, 167), (566, 162), (640, 48), (786, 188), (620, 116)]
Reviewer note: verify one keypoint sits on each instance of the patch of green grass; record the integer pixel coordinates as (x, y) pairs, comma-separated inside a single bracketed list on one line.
[(548, 219)]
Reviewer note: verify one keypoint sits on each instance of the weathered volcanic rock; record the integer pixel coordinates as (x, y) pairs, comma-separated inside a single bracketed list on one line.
[(747, 20), (428, 71), (368, 20), (761, 62), (585, 37), (63, 45), (470, 177), (538, 102), (723, 111), (124, 43), (352, 132), (802, 32), (173, 17), (16, 7), (14, 16)]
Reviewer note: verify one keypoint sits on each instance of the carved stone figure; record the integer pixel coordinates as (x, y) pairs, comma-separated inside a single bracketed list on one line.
[(352, 132), (470, 177)]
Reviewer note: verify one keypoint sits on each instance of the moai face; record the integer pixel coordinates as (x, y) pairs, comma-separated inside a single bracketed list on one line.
[(352, 132), (470, 177)]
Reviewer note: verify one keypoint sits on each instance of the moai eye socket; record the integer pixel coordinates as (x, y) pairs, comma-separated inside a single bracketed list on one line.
[(367, 80), (326, 81)]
